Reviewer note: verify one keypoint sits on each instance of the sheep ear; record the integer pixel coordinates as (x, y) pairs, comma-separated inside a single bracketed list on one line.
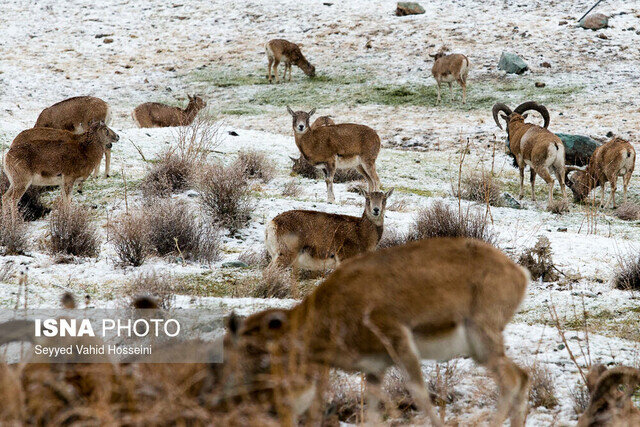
[(291, 111), (388, 193), (293, 159), (312, 112), (233, 323), (362, 191)]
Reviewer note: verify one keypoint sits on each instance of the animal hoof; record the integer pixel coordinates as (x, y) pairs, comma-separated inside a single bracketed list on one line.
[(107, 176)]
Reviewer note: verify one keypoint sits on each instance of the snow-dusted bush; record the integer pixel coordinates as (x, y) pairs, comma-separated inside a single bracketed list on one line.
[(72, 231), (130, 234), (256, 165), (14, 238)]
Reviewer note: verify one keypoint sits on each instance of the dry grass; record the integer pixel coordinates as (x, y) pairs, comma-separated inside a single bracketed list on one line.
[(161, 289), (14, 235), (253, 258), (130, 238), (73, 232), (628, 211), (256, 165), (480, 186), (627, 275), (542, 392), (275, 283), (174, 229), (292, 189), (224, 195), (538, 260)]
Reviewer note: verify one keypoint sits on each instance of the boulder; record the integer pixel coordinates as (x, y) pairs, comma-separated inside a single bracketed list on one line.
[(595, 21), (409, 8), (578, 148), (512, 63), (510, 201), (234, 264)]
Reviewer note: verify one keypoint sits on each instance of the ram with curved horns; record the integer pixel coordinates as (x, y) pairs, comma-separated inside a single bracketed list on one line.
[(533, 145)]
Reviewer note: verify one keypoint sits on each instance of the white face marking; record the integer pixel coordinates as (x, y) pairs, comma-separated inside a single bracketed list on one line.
[(300, 126)]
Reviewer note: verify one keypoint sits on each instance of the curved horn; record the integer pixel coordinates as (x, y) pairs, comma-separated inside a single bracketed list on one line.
[(497, 108), (532, 105)]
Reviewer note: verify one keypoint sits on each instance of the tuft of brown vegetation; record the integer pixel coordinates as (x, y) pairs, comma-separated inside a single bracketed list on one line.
[(224, 195), (292, 189), (275, 283), (627, 275), (480, 186), (30, 204), (14, 236), (256, 165), (161, 289), (628, 211), (130, 235), (440, 220), (170, 174), (559, 206), (580, 397), (175, 230), (542, 391), (253, 258), (538, 260), (72, 231)]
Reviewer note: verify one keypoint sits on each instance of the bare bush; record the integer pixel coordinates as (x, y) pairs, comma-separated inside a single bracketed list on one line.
[(542, 391), (30, 204), (628, 211), (131, 238), (292, 189), (538, 260), (440, 220), (627, 275), (161, 289), (480, 186), (175, 230), (14, 237), (170, 174), (224, 195), (253, 258), (580, 397), (275, 283), (256, 165), (72, 231), (558, 206)]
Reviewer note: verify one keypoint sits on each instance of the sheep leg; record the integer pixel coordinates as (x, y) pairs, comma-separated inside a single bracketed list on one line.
[(521, 195), (269, 69), (463, 84), (289, 67), (13, 195), (532, 178), (67, 188), (439, 98), (275, 70), (544, 174), (329, 173), (107, 163), (625, 185), (612, 195), (373, 392), (451, 91), (366, 176), (602, 202), (560, 177)]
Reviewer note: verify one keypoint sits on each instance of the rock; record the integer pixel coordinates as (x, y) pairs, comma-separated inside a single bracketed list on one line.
[(409, 8), (595, 21), (540, 84), (233, 133), (510, 201), (563, 22), (545, 65), (603, 36), (578, 148), (512, 63), (562, 229), (107, 40), (234, 264)]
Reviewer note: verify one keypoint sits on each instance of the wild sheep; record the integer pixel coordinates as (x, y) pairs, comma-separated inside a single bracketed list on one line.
[(75, 114), (279, 50), (533, 145), (46, 156), (313, 240), (451, 68), (432, 299), (157, 115), (341, 146), (611, 160)]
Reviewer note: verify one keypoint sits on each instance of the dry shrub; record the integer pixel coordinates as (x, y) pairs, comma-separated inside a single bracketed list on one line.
[(224, 195), (480, 187), (253, 258), (304, 169), (72, 231), (627, 276), (440, 220), (161, 289), (559, 206), (392, 237), (170, 174), (130, 233), (539, 262), (174, 229), (579, 397), (628, 211), (292, 189), (542, 391), (30, 204), (275, 283), (14, 237), (256, 165)]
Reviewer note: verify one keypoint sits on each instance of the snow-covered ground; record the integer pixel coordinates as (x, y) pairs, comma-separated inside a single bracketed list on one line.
[(162, 50)]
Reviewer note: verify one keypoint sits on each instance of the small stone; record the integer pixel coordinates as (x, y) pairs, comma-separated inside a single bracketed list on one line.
[(563, 22), (540, 84), (603, 36), (562, 229), (233, 133), (107, 40), (511, 202), (409, 8), (234, 264), (561, 347), (545, 65)]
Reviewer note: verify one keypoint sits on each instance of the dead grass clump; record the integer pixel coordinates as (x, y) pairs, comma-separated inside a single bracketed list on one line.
[(14, 237), (256, 165), (627, 276), (559, 206), (275, 283), (175, 230), (130, 234), (580, 397), (72, 231), (539, 262), (171, 174), (480, 187), (224, 195), (440, 220), (161, 289), (30, 204), (542, 391), (628, 211), (292, 189), (253, 258)]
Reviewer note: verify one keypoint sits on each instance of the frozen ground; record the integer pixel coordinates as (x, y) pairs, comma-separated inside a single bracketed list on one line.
[(162, 50)]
